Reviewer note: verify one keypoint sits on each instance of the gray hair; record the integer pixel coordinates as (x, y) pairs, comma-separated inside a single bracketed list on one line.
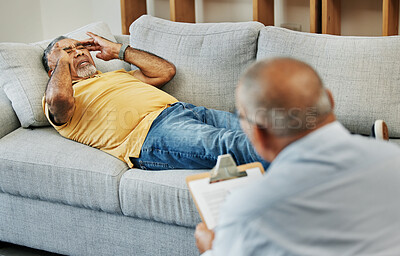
[(278, 118), (47, 51)]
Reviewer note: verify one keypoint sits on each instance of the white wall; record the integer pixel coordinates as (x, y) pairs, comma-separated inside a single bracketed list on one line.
[(20, 21), (35, 20), (108, 11), (293, 11), (362, 17), (59, 16)]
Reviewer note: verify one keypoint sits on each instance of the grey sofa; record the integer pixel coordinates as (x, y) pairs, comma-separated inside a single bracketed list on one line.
[(65, 197)]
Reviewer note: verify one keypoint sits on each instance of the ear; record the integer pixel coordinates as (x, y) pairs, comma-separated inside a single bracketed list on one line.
[(50, 72), (260, 140), (332, 101)]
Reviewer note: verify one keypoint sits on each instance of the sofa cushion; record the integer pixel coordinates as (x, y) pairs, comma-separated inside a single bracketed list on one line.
[(8, 119), (159, 195), (40, 164), (24, 79), (209, 57), (363, 73), (396, 141)]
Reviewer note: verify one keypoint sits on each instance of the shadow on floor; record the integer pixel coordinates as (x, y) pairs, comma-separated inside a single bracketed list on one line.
[(7, 249)]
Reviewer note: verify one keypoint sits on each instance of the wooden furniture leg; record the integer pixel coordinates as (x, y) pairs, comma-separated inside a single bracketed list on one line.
[(182, 10), (130, 11), (331, 17), (390, 24), (263, 11), (315, 16)]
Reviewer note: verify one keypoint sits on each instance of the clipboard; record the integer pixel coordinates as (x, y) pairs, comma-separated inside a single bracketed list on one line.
[(210, 189)]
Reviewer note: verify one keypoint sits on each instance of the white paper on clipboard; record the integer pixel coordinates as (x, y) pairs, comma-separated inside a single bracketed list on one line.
[(210, 197)]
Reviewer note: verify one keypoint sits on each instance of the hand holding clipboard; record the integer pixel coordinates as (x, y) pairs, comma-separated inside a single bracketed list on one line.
[(210, 189)]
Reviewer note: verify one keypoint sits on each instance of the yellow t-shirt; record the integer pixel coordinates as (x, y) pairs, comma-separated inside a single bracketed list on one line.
[(113, 112)]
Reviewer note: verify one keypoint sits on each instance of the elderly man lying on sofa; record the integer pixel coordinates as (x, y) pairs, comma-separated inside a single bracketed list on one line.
[(126, 115)]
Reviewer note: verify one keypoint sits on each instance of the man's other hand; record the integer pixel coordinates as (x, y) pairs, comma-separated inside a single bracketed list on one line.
[(204, 237), (108, 50), (58, 55)]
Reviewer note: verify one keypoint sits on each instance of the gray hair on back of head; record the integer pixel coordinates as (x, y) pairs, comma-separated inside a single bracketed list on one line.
[(279, 120)]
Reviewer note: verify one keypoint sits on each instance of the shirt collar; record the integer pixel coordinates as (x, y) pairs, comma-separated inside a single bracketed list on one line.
[(308, 143), (92, 76)]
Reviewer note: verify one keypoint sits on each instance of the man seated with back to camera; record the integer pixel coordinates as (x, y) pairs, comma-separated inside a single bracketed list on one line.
[(126, 114), (327, 192)]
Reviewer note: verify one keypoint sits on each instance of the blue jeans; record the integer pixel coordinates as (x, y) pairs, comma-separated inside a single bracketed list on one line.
[(184, 136)]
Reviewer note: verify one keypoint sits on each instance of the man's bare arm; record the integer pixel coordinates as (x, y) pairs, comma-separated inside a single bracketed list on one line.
[(59, 92), (152, 69)]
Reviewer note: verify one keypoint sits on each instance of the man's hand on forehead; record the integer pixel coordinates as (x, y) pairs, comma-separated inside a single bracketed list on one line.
[(90, 44), (76, 45), (58, 53), (108, 50), (68, 48), (95, 42)]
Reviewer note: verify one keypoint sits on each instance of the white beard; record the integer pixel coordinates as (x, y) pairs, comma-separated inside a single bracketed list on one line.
[(86, 71)]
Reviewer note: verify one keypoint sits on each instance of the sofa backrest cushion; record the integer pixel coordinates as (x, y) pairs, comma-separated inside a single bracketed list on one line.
[(209, 57), (8, 119), (24, 79), (363, 73)]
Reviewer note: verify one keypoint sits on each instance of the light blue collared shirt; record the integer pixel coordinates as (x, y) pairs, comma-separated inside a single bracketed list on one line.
[(329, 193)]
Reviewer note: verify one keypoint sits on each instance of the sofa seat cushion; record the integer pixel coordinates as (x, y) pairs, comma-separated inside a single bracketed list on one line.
[(159, 195), (363, 73), (40, 164), (209, 58), (395, 141)]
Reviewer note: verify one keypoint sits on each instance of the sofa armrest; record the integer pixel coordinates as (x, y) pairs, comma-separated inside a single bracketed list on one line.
[(8, 119)]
